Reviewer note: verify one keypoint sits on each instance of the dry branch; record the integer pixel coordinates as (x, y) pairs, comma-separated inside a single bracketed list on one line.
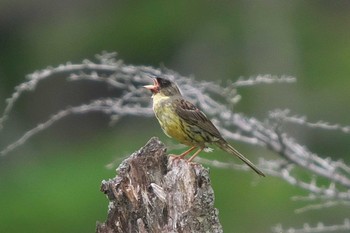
[(157, 193)]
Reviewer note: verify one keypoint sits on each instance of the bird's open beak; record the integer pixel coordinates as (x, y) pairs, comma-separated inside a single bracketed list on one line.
[(153, 88)]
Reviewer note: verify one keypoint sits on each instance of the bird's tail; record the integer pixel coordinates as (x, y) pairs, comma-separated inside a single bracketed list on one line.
[(228, 148)]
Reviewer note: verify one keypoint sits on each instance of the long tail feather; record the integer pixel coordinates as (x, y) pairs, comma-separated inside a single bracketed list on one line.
[(228, 148)]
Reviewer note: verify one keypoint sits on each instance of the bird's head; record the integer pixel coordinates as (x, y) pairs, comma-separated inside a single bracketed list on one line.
[(163, 87)]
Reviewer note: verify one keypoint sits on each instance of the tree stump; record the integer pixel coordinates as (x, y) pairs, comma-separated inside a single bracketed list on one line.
[(154, 192)]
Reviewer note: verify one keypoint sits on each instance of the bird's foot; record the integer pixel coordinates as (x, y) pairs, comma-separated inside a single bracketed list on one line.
[(177, 158), (173, 156)]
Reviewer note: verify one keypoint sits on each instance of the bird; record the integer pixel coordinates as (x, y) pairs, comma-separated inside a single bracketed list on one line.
[(183, 121)]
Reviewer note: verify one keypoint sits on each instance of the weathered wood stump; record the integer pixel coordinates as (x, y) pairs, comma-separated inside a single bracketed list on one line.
[(157, 193)]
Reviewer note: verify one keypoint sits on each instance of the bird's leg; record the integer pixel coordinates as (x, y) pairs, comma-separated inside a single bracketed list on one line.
[(195, 154), (186, 152)]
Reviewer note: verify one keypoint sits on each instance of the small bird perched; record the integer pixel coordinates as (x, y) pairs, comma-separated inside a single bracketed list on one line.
[(183, 121)]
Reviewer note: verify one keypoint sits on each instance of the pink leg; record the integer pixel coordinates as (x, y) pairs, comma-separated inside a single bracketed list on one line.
[(186, 152), (195, 154)]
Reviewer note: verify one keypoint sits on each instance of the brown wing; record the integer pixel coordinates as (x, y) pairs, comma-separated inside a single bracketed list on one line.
[(193, 116)]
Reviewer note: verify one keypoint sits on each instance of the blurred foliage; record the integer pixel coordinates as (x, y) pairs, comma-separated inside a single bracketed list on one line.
[(61, 169)]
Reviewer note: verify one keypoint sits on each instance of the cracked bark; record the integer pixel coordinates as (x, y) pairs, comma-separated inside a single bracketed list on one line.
[(157, 193)]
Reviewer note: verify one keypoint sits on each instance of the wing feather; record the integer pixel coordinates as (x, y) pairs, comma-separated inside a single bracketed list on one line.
[(193, 116)]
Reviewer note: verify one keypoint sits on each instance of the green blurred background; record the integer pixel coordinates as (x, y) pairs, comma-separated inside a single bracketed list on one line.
[(51, 184)]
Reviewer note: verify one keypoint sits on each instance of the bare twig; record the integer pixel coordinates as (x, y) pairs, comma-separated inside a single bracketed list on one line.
[(320, 227), (284, 115)]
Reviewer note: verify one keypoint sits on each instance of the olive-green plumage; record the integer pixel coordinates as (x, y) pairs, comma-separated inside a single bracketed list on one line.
[(183, 121)]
